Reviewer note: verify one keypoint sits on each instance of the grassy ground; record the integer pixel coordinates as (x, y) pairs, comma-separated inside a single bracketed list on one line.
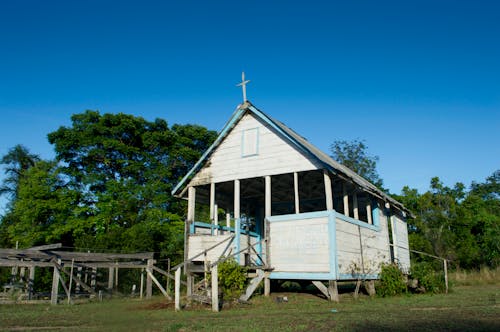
[(467, 308)]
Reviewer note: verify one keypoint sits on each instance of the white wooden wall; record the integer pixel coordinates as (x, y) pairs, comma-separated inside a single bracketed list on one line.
[(199, 243), (401, 244), (375, 247), (300, 245), (275, 156)]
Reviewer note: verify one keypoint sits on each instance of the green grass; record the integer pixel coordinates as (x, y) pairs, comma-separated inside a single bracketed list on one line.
[(467, 308)]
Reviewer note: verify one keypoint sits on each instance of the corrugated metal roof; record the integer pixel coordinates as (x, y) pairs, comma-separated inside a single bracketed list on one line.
[(302, 143)]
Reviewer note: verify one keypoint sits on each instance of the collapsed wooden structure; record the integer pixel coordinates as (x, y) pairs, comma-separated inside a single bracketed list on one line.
[(267, 197), (77, 270)]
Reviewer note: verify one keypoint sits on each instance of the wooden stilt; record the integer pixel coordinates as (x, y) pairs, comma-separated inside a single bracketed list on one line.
[(79, 275), (370, 287), (267, 286), (190, 284), (70, 280), (333, 291), (445, 264)]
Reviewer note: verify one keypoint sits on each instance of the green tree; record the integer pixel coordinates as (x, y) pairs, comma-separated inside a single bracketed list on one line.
[(17, 161), (124, 168), (354, 155)]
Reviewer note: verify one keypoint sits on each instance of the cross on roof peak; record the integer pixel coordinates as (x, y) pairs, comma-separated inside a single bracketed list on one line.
[(243, 85)]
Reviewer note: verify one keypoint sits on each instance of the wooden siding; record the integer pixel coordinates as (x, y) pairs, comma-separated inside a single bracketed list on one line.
[(274, 156), (300, 245), (199, 243), (401, 242), (373, 244)]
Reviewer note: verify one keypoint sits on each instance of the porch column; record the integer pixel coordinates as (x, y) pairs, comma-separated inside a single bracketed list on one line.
[(355, 205), (191, 204), (328, 190), (369, 212), (237, 221), (346, 200), (296, 192), (212, 207), (268, 205)]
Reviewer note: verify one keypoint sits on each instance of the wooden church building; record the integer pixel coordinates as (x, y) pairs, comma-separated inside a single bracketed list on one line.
[(267, 197)]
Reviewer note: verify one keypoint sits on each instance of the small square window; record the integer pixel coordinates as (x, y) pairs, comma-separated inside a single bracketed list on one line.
[(250, 142)]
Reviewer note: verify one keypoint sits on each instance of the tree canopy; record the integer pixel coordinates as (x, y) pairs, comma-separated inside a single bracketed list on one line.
[(354, 155)]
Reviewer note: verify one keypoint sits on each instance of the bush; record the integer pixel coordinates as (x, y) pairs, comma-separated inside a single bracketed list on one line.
[(428, 279), (392, 281), (232, 277)]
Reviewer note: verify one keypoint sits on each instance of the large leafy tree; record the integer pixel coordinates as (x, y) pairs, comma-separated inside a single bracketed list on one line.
[(124, 168), (354, 154)]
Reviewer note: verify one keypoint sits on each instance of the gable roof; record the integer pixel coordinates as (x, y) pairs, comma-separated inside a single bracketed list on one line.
[(298, 142)]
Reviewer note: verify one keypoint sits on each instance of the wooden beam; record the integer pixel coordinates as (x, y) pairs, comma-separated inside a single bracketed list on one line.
[(296, 192), (152, 277), (333, 291), (111, 275), (47, 247), (322, 288), (328, 190)]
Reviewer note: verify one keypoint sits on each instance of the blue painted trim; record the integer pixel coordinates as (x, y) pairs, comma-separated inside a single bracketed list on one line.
[(201, 224), (356, 276), (357, 222), (299, 216), (243, 155), (192, 228), (237, 238), (302, 276), (225, 130), (375, 214)]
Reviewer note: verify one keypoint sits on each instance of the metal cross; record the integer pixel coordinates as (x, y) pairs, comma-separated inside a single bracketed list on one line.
[(243, 85)]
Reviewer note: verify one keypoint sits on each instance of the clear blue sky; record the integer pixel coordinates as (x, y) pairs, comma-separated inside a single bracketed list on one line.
[(418, 80)]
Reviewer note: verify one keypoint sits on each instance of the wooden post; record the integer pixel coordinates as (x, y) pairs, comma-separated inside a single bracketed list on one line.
[(395, 248), (370, 287), (149, 281), (212, 201), (268, 196), (216, 220), (328, 190), (93, 278), (141, 291), (228, 220), (445, 264), (346, 200), (31, 283), (55, 285), (190, 284), (268, 211), (237, 224), (267, 286), (110, 278), (79, 276), (168, 272), (369, 213), (191, 204), (116, 278), (178, 289), (215, 289), (333, 291), (71, 280), (355, 205), (296, 192)]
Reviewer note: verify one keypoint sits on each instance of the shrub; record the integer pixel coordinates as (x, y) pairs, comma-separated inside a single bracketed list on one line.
[(392, 281), (428, 279), (232, 277)]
